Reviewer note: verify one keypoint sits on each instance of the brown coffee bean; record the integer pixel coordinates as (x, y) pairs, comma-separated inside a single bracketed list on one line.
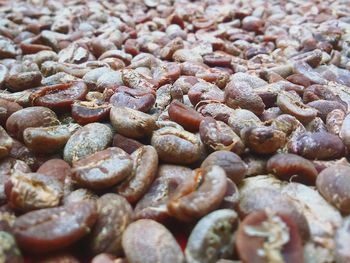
[(166, 73), (30, 117), (127, 144), (176, 146), (46, 139), (334, 121), (184, 115), (233, 165), (5, 143), (325, 106), (114, 215), (286, 123), (52, 229), (26, 192), (23, 76), (205, 91), (84, 112), (260, 198), (289, 104), (153, 204), (87, 140), (208, 184), (135, 80), (333, 185), (56, 168), (219, 136), (263, 140), (102, 169), (148, 241), (319, 145), (240, 119), (218, 111), (260, 232), (288, 166), (7, 108), (145, 165), (212, 237), (308, 72), (241, 95), (132, 123)]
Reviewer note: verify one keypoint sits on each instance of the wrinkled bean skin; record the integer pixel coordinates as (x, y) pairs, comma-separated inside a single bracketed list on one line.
[(26, 192), (233, 165), (263, 140), (288, 166), (114, 215), (52, 229), (212, 237), (199, 195), (145, 165), (185, 116), (46, 139), (176, 146), (60, 96), (333, 184), (241, 118), (30, 117), (218, 111), (10, 252), (319, 145), (252, 235), (146, 241), (218, 136), (153, 205), (132, 123), (102, 169), (241, 95), (89, 139)]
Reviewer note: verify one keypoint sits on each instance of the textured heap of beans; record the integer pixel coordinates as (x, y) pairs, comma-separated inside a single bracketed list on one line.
[(174, 131)]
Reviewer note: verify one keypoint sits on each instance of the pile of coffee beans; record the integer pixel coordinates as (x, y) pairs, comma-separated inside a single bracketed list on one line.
[(174, 131)]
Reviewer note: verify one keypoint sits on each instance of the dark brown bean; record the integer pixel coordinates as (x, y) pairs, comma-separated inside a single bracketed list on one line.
[(30, 117), (84, 112), (145, 165), (288, 166), (114, 215), (7, 108), (219, 136), (102, 169), (166, 73), (148, 241), (233, 165), (176, 146), (127, 144), (89, 139), (52, 229), (333, 184), (26, 192), (199, 195), (212, 237)]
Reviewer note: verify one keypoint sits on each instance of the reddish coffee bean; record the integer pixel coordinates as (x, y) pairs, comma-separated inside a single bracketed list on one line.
[(102, 169), (135, 80), (56, 168), (241, 95), (133, 98), (127, 144), (217, 60), (6, 143), (288, 166), (145, 165), (166, 73), (263, 140), (218, 111), (33, 48), (219, 136), (215, 76), (319, 145), (30, 117), (59, 97), (231, 197), (232, 164), (176, 146), (89, 139), (153, 204), (333, 184), (252, 23), (319, 92), (52, 229), (147, 237), (209, 184), (184, 115), (114, 215), (212, 237), (324, 107), (132, 123), (299, 80), (7, 108), (334, 121), (23, 76), (260, 232), (84, 112), (46, 139), (264, 197), (205, 91), (26, 192)]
